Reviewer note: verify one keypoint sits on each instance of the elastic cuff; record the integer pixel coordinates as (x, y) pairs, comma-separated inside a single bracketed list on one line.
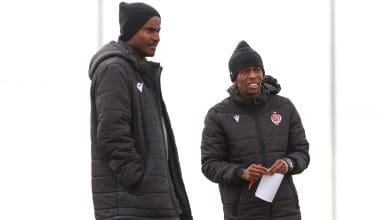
[(238, 173)]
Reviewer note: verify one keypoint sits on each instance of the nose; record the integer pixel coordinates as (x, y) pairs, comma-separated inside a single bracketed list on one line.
[(156, 36), (253, 74)]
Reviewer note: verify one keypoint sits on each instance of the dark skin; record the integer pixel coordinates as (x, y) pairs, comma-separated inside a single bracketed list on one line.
[(249, 82), (255, 171), (145, 41)]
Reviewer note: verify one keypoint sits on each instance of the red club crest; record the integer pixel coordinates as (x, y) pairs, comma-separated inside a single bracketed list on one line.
[(276, 118)]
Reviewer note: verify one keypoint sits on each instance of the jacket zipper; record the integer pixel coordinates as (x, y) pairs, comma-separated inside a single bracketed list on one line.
[(168, 172), (261, 142), (262, 151)]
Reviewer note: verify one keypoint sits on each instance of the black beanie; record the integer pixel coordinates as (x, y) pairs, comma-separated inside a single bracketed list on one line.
[(243, 57), (132, 17)]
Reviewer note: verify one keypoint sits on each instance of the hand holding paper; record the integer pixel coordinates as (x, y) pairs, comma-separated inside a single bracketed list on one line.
[(253, 172)]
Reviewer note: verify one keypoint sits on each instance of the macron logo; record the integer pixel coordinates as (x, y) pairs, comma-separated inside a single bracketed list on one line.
[(237, 118), (139, 86)]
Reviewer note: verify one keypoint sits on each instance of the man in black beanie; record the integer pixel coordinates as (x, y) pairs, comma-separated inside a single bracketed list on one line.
[(243, 57), (136, 172), (254, 133)]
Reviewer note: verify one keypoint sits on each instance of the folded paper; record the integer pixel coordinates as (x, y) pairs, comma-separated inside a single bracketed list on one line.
[(268, 186)]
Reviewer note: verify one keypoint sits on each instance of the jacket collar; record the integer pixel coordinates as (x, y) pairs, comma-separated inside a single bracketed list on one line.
[(269, 86), (254, 101)]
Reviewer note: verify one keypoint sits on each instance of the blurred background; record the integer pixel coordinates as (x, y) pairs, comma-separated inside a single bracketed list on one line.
[(331, 58)]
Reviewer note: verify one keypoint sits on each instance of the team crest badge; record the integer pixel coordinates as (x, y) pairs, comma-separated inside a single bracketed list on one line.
[(276, 118)]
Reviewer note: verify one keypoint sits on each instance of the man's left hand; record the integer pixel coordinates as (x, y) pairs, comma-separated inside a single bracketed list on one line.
[(280, 166)]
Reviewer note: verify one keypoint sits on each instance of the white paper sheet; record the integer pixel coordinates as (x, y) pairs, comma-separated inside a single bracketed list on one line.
[(268, 186)]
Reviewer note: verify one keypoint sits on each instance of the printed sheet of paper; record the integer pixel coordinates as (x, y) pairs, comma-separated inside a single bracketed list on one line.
[(268, 187)]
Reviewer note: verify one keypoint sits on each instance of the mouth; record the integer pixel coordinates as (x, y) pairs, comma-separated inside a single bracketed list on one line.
[(253, 85), (153, 45)]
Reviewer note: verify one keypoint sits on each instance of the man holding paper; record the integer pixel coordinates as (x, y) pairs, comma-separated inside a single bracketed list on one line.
[(254, 133)]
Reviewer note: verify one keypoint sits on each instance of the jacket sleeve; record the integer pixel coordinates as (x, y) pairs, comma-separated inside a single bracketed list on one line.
[(215, 165), (113, 107), (298, 146)]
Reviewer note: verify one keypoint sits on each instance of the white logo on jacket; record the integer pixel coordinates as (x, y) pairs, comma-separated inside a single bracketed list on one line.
[(237, 118), (139, 86)]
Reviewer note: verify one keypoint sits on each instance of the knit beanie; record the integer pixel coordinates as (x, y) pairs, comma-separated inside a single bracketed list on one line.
[(132, 17), (243, 57)]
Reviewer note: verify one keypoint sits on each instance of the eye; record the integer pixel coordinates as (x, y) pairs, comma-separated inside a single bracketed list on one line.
[(153, 30), (245, 71), (258, 70)]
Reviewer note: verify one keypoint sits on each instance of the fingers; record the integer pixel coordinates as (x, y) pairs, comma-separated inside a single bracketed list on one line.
[(255, 171), (249, 175), (256, 168), (253, 174), (278, 167)]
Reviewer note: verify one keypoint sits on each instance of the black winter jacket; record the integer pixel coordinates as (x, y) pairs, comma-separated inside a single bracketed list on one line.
[(135, 166), (238, 132)]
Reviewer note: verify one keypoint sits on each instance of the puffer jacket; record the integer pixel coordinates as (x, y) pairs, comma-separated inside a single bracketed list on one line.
[(240, 131), (135, 166)]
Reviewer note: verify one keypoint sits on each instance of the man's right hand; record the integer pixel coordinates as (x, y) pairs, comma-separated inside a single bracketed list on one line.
[(254, 172)]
